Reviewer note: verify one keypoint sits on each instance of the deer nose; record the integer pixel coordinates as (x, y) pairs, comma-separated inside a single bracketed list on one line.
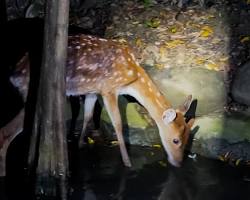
[(173, 162)]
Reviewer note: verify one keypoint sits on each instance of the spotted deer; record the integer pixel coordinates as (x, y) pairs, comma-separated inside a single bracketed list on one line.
[(105, 67)]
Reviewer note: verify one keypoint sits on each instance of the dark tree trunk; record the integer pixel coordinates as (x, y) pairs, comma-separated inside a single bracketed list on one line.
[(48, 150), (3, 12)]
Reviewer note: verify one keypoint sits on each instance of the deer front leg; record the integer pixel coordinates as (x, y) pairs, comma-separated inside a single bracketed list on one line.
[(89, 106), (111, 104)]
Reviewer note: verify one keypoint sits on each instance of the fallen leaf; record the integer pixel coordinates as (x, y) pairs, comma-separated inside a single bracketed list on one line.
[(190, 23), (200, 61), (206, 31), (135, 22), (147, 3), (216, 41), (159, 66), (245, 39), (210, 16), (153, 22), (192, 156), (114, 142), (173, 29), (212, 66), (174, 43), (224, 59), (122, 41), (162, 163), (138, 42), (156, 145), (221, 158), (162, 51), (90, 141), (238, 161), (226, 156)]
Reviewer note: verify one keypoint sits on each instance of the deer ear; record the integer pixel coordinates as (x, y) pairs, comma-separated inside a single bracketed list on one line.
[(183, 108), (169, 116)]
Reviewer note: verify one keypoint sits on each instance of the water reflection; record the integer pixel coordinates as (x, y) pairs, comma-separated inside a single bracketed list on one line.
[(99, 174)]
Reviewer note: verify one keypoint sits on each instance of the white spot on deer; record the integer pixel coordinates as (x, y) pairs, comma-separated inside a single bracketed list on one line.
[(82, 79), (104, 40), (150, 89), (84, 53), (112, 58), (82, 59), (123, 60), (132, 55), (69, 47), (143, 80), (88, 80), (118, 51), (159, 103), (93, 66), (149, 84), (77, 47), (89, 36), (128, 59), (115, 73), (96, 45), (71, 62), (130, 73), (99, 85), (138, 74), (89, 49), (118, 79), (79, 67), (158, 94), (83, 44)]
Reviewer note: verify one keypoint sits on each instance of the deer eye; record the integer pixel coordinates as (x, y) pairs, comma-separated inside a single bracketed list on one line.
[(176, 141)]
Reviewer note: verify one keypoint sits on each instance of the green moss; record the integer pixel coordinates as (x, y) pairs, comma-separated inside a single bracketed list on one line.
[(232, 128), (129, 113), (134, 117)]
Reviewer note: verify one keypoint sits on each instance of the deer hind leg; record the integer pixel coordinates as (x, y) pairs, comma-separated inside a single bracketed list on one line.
[(75, 107), (111, 104), (89, 105)]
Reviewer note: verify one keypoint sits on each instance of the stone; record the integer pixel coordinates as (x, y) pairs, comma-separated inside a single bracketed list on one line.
[(217, 135), (206, 86), (241, 85), (213, 135)]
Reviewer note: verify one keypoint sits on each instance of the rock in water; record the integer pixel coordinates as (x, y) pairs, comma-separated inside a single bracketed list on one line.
[(241, 85)]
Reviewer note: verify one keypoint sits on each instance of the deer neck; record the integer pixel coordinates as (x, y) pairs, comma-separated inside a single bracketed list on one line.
[(147, 93)]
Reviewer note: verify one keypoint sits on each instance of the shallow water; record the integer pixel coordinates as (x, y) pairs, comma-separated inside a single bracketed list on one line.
[(97, 173), (101, 175)]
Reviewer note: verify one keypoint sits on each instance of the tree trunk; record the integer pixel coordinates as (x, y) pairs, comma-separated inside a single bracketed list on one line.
[(3, 12), (48, 150)]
